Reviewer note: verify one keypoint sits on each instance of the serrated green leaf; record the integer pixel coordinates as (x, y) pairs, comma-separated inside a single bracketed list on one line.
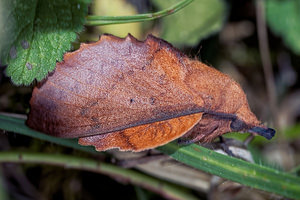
[(35, 34), (283, 17), (197, 21)]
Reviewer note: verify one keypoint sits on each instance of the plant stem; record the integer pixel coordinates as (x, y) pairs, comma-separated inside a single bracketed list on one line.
[(163, 188), (93, 20), (266, 60)]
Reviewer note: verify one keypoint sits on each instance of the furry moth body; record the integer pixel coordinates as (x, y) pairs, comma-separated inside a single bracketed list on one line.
[(136, 95)]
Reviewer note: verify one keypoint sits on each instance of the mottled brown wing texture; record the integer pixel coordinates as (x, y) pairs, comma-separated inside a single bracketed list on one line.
[(133, 95), (111, 85)]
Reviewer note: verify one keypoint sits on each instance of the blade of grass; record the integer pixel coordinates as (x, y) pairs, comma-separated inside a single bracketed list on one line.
[(234, 169), (93, 20), (17, 125), (163, 188), (253, 175)]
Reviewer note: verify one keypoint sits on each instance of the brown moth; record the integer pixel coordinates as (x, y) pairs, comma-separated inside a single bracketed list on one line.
[(136, 95)]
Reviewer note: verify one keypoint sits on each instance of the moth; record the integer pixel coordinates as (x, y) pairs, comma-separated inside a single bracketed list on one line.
[(137, 95)]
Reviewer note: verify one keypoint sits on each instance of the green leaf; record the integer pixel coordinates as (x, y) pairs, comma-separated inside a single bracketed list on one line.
[(197, 21), (234, 169), (283, 17), (35, 34), (254, 175)]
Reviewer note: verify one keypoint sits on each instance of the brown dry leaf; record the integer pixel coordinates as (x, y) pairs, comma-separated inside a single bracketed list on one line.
[(133, 95)]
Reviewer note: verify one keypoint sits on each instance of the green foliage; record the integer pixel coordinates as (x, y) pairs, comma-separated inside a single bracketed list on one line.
[(283, 17), (234, 169), (254, 175), (197, 21), (75, 162), (36, 34), (17, 125), (292, 132), (93, 20)]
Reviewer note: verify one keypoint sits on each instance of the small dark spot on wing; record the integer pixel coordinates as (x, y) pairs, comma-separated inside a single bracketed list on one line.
[(95, 119), (130, 72), (121, 77), (152, 100), (94, 103), (83, 111), (95, 127)]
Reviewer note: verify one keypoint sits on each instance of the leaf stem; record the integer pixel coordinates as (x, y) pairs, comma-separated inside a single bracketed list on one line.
[(163, 188), (93, 20)]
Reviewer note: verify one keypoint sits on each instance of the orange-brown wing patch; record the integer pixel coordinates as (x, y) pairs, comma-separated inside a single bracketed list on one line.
[(112, 85), (143, 137)]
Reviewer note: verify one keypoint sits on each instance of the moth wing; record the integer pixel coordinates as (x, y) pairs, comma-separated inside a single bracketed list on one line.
[(112, 85), (143, 137)]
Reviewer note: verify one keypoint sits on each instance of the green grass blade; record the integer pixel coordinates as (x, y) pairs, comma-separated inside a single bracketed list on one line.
[(234, 169), (92, 20), (17, 125), (166, 189)]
